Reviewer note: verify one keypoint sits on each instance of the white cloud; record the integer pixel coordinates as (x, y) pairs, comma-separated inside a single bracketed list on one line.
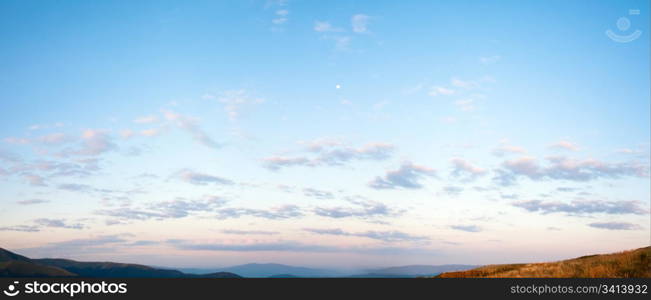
[(465, 104), (359, 23), (566, 145), (236, 101), (331, 152), (505, 148), (437, 90), (146, 119), (490, 59), (282, 17), (190, 125), (323, 26), (461, 167)]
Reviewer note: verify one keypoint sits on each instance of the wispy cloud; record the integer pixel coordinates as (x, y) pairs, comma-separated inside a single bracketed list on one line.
[(615, 226), (361, 209), (584, 207), (486, 60), (462, 168), (385, 236), (21, 228), (318, 194), (408, 176), (466, 228), (323, 26), (249, 232), (58, 223), (32, 201), (236, 102), (564, 168), (275, 213), (359, 23), (329, 153), (198, 178), (190, 125), (565, 145)]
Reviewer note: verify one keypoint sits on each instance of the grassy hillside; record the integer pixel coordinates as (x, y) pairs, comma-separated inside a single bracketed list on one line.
[(627, 264), (19, 268)]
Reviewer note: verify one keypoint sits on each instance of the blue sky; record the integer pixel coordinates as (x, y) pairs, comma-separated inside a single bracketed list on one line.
[(339, 133)]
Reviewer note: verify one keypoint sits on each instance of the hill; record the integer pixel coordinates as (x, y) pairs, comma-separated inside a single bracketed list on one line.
[(14, 265), (414, 270), (19, 268), (266, 270), (627, 264)]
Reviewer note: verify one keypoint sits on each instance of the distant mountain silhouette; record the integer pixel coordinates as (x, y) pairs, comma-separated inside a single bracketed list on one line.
[(267, 270), (283, 276), (14, 265)]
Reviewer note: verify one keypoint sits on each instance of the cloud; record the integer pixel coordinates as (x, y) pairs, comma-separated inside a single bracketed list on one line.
[(437, 90), (235, 102), (275, 213), (505, 148), (385, 236), (283, 246), (563, 168), (21, 228), (407, 176), (181, 207), (57, 223), (146, 119), (615, 226), (362, 209), (190, 125), (35, 180), (464, 84), (331, 153), (32, 201), (566, 189), (281, 17), (197, 178), (470, 84), (319, 194), (75, 187), (322, 26), (53, 139), (72, 248), (359, 23), (582, 207), (565, 145), (467, 228), (248, 232), (465, 104), (465, 169), (45, 126), (94, 142), (127, 213), (489, 59), (452, 190), (292, 246), (177, 208)]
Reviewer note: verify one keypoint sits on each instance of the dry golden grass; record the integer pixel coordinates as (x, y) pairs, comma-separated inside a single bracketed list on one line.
[(627, 264)]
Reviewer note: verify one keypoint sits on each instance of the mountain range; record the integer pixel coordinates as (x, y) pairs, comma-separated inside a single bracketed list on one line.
[(15, 265)]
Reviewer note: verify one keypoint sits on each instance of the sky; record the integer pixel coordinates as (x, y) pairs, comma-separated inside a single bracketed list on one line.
[(346, 134)]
